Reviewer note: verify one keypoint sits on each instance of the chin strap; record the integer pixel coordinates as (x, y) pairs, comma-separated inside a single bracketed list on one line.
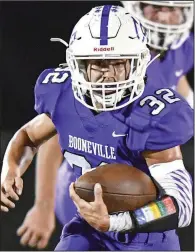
[(158, 55)]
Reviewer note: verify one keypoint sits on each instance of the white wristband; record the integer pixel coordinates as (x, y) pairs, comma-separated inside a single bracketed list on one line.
[(120, 222)]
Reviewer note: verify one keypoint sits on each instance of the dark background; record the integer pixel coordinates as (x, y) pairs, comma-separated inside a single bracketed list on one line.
[(25, 50)]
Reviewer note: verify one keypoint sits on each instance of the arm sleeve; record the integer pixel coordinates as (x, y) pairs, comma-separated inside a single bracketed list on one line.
[(175, 181)]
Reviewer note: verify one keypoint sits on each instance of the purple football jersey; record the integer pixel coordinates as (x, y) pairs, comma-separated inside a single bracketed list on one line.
[(158, 120), (176, 63), (161, 73)]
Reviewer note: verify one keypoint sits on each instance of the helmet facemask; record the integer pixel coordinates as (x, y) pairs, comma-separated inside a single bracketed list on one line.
[(97, 91), (164, 35)]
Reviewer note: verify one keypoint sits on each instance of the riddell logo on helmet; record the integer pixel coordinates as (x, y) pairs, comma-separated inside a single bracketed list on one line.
[(96, 49)]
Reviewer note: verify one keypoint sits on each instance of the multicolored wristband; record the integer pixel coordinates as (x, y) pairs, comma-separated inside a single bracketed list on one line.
[(154, 211)]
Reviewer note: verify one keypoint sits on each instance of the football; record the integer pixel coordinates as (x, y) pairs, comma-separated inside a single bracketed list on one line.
[(124, 187)]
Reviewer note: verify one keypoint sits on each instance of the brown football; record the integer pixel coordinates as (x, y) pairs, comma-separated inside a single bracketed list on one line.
[(124, 187)]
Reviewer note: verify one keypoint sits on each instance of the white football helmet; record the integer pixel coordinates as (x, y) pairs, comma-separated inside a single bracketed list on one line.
[(164, 36), (108, 32)]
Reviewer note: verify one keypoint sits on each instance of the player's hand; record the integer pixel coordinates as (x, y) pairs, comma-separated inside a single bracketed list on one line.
[(11, 188), (95, 213), (6, 203), (37, 227)]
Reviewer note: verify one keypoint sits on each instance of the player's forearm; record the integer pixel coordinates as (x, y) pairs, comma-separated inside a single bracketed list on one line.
[(49, 159), (172, 210), (18, 155), (29, 137), (27, 159), (158, 216)]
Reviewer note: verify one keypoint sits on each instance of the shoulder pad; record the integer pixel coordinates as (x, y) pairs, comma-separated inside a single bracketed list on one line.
[(173, 129), (49, 85), (160, 119), (57, 75), (155, 103)]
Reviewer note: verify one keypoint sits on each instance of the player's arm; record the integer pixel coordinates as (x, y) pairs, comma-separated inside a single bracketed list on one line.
[(173, 208), (184, 89), (40, 219), (49, 159), (30, 136)]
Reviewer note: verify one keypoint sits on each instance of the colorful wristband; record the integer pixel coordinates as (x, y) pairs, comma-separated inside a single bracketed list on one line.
[(154, 211)]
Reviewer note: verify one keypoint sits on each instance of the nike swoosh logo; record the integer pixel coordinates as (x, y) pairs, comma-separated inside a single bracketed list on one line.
[(178, 73), (117, 135)]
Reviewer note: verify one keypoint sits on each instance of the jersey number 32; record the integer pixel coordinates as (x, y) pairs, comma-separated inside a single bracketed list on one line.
[(168, 97)]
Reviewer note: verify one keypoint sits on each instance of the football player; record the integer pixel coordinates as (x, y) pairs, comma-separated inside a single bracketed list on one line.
[(105, 111), (169, 23)]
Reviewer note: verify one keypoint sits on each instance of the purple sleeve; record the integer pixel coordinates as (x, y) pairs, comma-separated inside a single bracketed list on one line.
[(47, 91), (173, 129), (188, 52)]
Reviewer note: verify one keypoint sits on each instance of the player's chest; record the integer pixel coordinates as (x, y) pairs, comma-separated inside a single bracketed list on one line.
[(92, 140)]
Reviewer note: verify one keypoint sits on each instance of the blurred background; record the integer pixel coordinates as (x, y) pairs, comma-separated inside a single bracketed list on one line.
[(25, 50)]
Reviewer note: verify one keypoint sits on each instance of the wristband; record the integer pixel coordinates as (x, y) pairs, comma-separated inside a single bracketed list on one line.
[(120, 222), (154, 211)]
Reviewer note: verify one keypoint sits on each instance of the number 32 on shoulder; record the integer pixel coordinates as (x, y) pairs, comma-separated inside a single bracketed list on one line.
[(168, 97)]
